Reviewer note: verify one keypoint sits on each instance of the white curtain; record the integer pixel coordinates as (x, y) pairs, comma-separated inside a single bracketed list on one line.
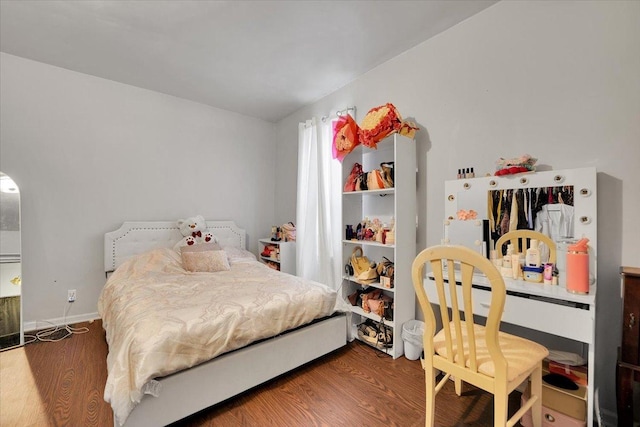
[(319, 207)]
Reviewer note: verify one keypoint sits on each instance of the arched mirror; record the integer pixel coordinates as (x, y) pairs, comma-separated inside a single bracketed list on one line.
[(10, 265)]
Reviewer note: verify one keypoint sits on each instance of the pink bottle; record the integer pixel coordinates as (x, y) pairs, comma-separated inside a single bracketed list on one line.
[(578, 267)]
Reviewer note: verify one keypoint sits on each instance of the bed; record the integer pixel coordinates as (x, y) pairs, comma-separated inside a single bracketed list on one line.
[(149, 268)]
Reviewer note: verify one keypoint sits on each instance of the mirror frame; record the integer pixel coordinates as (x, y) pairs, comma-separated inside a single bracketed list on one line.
[(473, 194), (21, 330)]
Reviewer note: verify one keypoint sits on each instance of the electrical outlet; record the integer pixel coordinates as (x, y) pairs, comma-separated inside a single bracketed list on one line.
[(71, 295)]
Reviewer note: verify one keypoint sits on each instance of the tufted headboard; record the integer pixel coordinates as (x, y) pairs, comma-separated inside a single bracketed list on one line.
[(135, 237)]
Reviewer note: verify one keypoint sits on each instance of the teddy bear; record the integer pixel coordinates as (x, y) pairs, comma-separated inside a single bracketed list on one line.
[(195, 231)]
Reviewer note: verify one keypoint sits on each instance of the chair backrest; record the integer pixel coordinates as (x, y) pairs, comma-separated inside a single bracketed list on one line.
[(518, 238), (454, 289)]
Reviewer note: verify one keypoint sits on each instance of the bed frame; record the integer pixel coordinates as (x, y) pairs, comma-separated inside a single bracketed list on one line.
[(189, 391)]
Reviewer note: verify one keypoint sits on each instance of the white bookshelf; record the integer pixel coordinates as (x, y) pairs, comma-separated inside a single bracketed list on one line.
[(284, 259), (399, 204)]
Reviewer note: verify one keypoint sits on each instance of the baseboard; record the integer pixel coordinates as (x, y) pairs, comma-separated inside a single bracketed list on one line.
[(59, 321)]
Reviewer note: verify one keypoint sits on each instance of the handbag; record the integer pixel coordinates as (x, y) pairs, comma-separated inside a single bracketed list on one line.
[(289, 230), (387, 173), (362, 268), (356, 171), (360, 263), (361, 182), (374, 180), (367, 277), (378, 303), (386, 269)]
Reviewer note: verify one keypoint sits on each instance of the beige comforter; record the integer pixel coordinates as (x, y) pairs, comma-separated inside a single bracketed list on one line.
[(161, 319)]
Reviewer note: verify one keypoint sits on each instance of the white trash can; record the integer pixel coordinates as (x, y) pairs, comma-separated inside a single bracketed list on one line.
[(412, 332)]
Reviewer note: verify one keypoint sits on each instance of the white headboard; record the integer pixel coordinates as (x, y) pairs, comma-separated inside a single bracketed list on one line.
[(135, 237)]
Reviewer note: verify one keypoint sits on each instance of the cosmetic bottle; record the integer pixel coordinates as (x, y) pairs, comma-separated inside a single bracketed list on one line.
[(547, 274), (349, 234), (515, 266), (532, 257), (471, 174), (506, 261)]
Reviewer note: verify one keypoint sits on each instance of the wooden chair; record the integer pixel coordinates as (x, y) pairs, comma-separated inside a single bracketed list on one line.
[(518, 239), (480, 355)]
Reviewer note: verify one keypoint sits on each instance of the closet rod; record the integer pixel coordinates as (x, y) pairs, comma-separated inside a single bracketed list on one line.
[(339, 113)]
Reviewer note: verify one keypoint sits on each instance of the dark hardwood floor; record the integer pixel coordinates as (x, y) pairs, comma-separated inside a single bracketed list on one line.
[(61, 384)]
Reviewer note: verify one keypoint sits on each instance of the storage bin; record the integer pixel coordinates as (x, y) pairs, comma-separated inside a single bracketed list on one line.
[(551, 418), (559, 407)]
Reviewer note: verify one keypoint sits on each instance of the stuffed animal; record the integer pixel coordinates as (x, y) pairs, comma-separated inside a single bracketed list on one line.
[(194, 230)]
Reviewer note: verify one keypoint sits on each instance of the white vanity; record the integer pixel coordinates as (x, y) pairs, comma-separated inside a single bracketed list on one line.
[(546, 308)]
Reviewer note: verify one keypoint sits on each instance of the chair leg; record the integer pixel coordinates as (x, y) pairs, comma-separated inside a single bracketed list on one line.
[(536, 390), (500, 407), (430, 382), (458, 384)]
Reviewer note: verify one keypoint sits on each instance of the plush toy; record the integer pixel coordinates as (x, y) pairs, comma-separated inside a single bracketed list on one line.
[(194, 230)]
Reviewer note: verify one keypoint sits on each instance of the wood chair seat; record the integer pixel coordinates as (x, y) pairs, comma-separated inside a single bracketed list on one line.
[(522, 354)]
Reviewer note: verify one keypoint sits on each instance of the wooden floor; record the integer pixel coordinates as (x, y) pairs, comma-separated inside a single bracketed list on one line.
[(61, 384)]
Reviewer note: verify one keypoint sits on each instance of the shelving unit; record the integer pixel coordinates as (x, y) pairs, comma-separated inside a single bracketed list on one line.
[(391, 204), (284, 260)]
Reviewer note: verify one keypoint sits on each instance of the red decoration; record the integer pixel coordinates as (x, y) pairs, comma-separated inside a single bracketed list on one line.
[(345, 136)]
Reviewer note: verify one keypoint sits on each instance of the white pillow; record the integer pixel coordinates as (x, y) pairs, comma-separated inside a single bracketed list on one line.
[(204, 258), (236, 254)]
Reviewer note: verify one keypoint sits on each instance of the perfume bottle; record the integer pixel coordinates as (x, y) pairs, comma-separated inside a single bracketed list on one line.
[(349, 232)]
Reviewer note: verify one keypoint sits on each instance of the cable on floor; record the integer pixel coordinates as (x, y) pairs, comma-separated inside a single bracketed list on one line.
[(56, 332)]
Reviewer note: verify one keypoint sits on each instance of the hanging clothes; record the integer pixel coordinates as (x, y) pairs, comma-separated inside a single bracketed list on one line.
[(541, 199), (490, 206), (504, 222), (555, 221), (513, 214), (521, 196), (530, 213)]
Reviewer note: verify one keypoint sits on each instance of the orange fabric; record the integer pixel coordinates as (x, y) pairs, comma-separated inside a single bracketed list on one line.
[(345, 136), (381, 122)]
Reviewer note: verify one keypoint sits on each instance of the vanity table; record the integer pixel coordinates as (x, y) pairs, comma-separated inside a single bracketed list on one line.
[(546, 308)]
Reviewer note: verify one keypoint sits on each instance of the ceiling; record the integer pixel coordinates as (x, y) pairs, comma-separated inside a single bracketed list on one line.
[(264, 59)]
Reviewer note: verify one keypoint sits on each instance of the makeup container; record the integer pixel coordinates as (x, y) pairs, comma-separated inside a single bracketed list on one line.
[(547, 274), (533, 274)]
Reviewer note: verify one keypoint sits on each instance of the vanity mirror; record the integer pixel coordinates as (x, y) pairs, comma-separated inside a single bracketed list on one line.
[(560, 204), (10, 265)]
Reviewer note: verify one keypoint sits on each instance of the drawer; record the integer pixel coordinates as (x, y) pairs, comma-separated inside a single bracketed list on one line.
[(561, 404), (569, 322), (551, 418)]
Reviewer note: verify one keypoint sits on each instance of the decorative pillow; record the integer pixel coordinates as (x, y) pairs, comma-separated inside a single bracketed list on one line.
[(206, 257), (201, 247)]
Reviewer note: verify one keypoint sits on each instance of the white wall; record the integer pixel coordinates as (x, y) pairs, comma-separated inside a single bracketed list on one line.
[(557, 80), (88, 154)]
